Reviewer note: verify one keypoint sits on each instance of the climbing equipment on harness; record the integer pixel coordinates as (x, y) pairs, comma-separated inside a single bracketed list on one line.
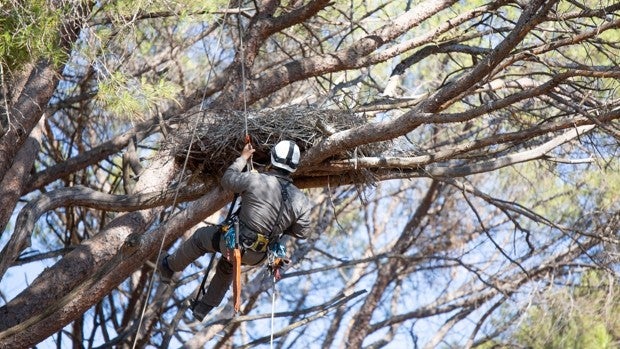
[(232, 238), (229, 228), (276, 260), (254, 241)]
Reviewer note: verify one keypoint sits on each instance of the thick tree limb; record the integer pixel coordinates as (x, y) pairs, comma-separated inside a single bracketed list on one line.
[(122, 257), (27, 111), (13, 181), (24, 323), (82, 196)]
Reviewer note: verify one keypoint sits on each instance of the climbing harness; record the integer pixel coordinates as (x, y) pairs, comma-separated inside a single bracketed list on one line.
[(237, 243)]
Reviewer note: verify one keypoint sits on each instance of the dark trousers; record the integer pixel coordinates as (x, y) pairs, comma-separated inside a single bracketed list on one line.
[(201, 243)]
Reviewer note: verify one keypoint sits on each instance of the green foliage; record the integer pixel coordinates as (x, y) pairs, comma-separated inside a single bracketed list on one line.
[(566, 196), (583, 317), (559, 330), (28, 32), (133, 34), (133, 98), (126, 10)]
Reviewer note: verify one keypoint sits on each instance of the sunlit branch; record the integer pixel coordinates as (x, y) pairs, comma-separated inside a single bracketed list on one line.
[(86, 197)]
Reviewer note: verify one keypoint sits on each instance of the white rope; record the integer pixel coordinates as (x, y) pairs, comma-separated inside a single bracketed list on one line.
[(243, 80), (176, 194), (250, 164), (273, 309), (245, 115)]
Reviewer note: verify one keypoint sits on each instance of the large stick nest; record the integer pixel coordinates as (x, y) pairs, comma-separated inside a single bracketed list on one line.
[(210, 140)]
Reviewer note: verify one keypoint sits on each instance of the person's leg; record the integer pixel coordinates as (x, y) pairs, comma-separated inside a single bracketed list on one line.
[(219, 285), (197, 245)]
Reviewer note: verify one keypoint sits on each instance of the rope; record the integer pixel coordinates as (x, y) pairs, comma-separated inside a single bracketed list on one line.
[(243, 79), (273, 310), (192, 139), (201, 289), (244, 86), (161, 245)]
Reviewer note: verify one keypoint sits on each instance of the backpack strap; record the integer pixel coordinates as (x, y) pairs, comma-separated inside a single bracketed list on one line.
[(285, 196)]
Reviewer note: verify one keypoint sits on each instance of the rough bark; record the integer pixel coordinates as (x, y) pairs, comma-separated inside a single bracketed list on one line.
[(13, 181), (75, 287)]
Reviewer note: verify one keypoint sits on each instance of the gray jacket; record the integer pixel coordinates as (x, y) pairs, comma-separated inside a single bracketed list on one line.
[(261, 198)]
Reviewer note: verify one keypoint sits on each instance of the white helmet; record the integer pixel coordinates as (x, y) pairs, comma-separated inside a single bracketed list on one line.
[(285, 155)]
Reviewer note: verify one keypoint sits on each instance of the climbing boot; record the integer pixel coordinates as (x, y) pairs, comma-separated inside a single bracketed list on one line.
[(164, 271), (200, 310)]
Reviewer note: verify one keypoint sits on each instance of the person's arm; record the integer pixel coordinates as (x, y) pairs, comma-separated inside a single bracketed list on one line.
[(301, 227), (234, 178)]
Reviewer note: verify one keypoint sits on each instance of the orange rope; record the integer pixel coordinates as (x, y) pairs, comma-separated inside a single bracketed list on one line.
[(237, 278)]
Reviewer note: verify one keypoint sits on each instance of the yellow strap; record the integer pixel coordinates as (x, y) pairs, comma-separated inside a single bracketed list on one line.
[(261, 243)]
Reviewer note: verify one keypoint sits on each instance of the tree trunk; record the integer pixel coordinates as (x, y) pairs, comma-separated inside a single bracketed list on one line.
[(66, 290)]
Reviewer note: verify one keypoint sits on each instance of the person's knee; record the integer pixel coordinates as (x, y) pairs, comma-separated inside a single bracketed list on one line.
[(202, 238)]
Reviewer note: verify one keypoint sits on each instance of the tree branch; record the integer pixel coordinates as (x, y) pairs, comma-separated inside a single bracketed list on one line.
[(92, 156), (289, 328), (86, 197)]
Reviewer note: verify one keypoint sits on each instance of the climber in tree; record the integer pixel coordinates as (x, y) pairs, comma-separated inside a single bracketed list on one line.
[(271, 206)]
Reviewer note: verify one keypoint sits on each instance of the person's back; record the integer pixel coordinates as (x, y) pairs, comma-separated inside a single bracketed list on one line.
[(261, 199)]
